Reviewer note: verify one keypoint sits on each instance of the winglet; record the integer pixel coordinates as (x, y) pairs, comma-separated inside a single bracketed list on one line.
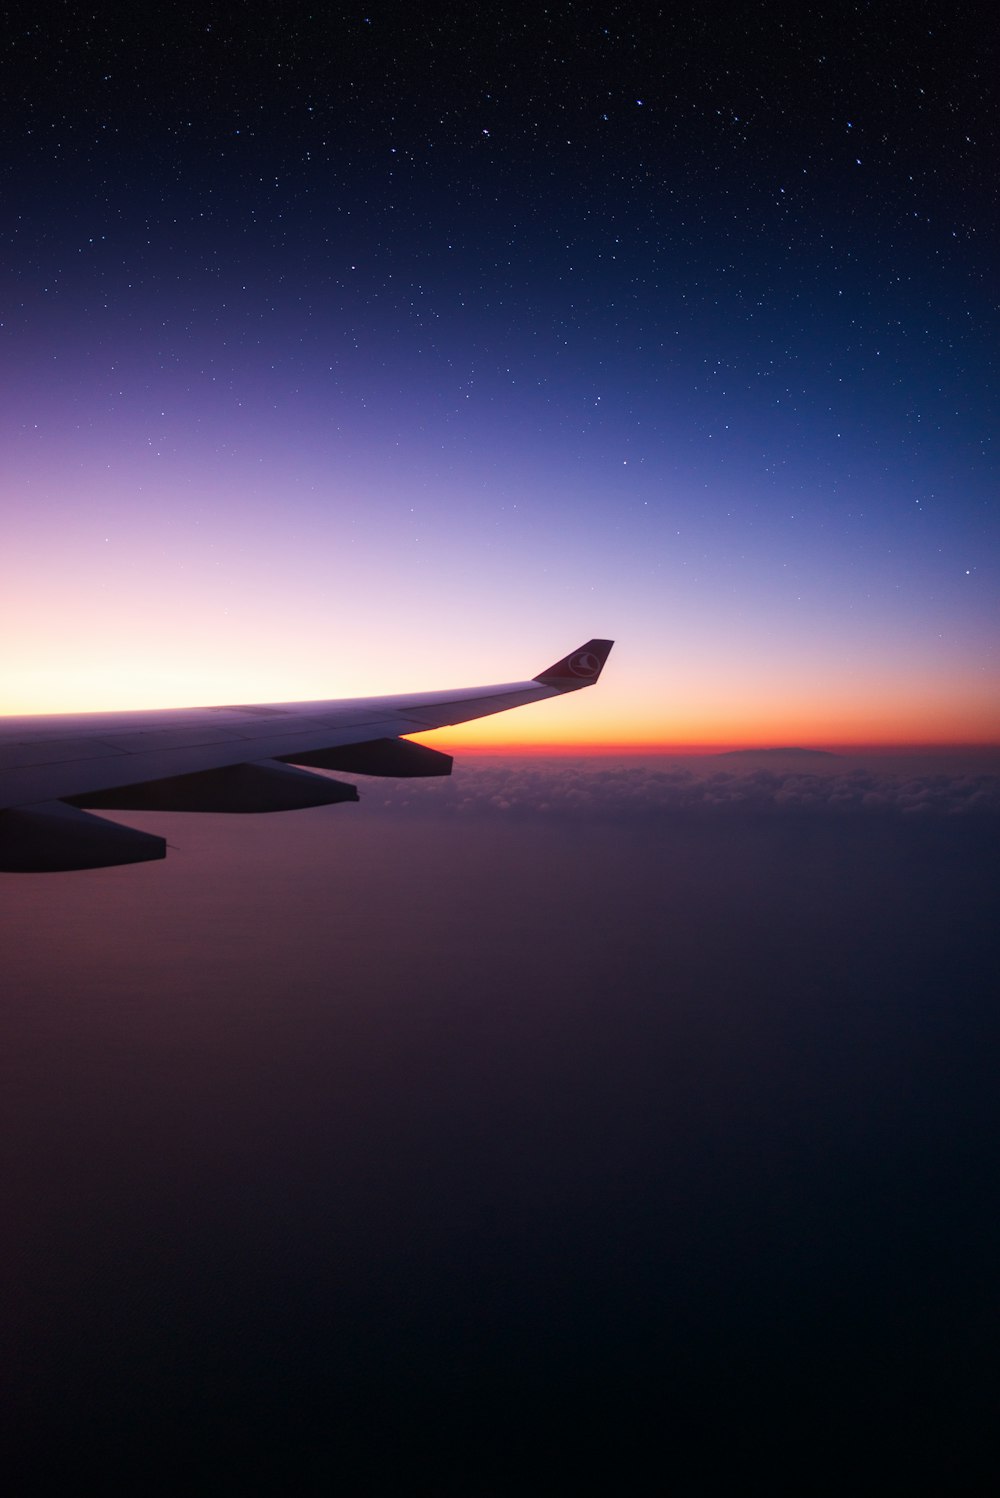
[(580, 668)]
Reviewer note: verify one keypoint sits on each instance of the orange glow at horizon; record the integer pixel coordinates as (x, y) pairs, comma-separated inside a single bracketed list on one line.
[(617, 717), (681, 699), (822, 720), (447, 741)]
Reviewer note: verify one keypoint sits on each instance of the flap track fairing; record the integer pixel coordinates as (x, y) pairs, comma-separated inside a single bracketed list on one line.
[(53, 838), (396, 757), (262, 786)]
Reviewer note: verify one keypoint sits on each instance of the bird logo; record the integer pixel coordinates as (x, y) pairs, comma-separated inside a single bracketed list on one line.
[(585, 663)]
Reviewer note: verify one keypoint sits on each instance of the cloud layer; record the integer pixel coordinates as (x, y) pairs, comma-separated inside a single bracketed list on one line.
[(575, 789)]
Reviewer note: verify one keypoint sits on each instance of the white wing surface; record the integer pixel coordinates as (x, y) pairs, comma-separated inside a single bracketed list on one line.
[(55, 770)]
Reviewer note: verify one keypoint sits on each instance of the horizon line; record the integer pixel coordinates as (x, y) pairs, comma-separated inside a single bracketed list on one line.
[(843, 747)]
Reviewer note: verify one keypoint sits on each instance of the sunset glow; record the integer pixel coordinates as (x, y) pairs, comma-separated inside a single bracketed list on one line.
[(338, 407)]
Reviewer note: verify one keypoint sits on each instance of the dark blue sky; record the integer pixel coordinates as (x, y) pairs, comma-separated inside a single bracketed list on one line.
[(541, 324)]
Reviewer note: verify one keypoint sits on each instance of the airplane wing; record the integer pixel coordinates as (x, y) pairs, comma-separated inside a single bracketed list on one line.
[(54, 771)]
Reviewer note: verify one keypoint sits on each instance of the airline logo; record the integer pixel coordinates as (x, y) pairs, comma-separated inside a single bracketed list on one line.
[(584, 663), (580, 669)]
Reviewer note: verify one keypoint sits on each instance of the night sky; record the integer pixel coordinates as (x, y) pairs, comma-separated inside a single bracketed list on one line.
[(349, 350)]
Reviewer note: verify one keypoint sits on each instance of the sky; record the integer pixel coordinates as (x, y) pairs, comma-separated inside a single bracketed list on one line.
[(353, 349)]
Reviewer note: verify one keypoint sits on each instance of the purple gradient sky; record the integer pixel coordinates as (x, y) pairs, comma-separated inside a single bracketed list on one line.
[(346, 354)]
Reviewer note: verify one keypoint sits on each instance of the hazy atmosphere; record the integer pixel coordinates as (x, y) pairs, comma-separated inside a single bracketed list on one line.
[(535, 1127)]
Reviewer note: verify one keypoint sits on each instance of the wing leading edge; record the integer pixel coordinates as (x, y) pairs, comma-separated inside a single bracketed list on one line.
[(54, 771)]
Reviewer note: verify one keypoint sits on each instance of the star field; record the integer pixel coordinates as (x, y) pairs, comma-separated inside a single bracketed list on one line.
[(348, 348)]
